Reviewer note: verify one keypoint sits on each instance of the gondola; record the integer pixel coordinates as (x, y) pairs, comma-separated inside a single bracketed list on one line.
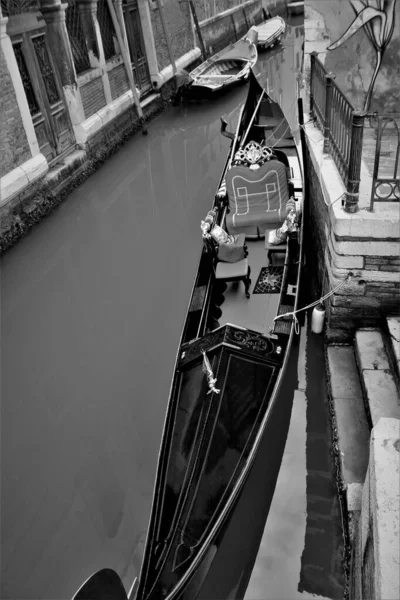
[(231, 358), (225, 69), (270, 32)]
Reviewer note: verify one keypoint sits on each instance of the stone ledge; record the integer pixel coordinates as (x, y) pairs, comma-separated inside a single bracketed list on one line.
[(382, 499), (105, 115), (381, 394), (370, 349), (159, 79), (21, 177), (381, 224)]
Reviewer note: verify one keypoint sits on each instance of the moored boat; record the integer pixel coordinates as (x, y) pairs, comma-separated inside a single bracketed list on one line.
[(232, 355), (270, 32), (225, 69)]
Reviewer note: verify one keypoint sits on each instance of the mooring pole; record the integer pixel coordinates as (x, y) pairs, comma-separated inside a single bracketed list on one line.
[(196, 24), (164, 26), (127, 62)]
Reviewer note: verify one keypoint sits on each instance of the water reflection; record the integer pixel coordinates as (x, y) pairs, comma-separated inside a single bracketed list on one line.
[(93, 302)]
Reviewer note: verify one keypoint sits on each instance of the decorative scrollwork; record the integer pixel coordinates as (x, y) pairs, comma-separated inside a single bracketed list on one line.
[(253, 342), (253, 154)]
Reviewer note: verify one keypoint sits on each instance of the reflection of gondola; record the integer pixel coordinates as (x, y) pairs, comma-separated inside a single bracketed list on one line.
[(227, 376), (225, 69)]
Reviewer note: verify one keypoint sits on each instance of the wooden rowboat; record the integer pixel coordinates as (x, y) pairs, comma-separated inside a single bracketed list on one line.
[(231, 359), (270, 32), (225, 69)]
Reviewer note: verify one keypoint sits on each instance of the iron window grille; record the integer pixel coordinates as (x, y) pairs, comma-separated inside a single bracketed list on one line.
[(76, 37), (106, 29)]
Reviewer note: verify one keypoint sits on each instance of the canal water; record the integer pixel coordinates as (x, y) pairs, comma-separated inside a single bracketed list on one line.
[(92, 305)]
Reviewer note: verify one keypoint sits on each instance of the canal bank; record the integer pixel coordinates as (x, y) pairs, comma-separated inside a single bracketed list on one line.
[(99, 75)]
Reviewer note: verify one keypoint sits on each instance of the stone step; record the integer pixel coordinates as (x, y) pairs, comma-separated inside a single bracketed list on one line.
[(393, 348), (377, 380), (350, 422)]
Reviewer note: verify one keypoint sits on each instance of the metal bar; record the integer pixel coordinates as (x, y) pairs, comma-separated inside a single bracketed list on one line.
[(251, 121), (353, 183), (329, 77)]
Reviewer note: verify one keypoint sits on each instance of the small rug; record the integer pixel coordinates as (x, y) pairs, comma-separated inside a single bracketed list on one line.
[(269, 281)]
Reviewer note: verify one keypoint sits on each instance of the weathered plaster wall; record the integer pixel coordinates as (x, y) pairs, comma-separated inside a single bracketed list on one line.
[(179, 28), (14, 147), (354, 61)]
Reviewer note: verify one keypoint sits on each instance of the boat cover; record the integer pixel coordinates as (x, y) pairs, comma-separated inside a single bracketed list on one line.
[(256, 198)]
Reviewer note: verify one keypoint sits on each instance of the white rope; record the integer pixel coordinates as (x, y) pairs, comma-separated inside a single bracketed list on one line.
[(322, 299)]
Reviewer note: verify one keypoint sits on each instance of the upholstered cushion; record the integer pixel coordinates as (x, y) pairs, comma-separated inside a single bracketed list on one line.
[(232, 252), (226, 270)]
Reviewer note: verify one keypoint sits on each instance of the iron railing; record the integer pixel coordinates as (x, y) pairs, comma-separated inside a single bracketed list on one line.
[(385, 178), (343, 129)]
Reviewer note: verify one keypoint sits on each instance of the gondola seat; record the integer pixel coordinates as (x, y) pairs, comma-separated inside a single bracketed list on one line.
[(257, 198)]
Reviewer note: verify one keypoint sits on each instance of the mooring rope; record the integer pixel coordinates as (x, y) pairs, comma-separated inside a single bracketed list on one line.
[(322, 299)]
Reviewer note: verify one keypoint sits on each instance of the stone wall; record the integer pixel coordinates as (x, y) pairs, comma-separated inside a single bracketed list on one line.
[(179, 28), (364, 244), (222, 29), (354, 61), (14, 147), (93, 97), (376, 563)]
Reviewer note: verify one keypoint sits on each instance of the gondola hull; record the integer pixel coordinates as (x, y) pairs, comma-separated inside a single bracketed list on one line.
[(226, 381), (226, 69)]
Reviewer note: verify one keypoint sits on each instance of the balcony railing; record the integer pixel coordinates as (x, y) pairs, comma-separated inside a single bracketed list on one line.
[(343, 129)]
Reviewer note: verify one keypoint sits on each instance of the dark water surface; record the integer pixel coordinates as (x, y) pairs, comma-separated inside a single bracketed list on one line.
[(93, 302)]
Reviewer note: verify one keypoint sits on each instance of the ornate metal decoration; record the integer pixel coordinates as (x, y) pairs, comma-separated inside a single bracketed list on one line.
[(17, 7), (26, 80), (253, 154), (250, 340), (46, 70)]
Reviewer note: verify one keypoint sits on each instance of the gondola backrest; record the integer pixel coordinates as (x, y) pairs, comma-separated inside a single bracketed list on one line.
[(260, 191)]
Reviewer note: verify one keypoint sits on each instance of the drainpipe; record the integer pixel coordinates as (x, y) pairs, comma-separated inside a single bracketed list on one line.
[(127, 62), (164, 26)]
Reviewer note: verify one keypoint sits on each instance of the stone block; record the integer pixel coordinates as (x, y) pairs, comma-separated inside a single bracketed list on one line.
[(385, 493), (353, 437), (370, 350), (394, 332), (354, 494), (343, 373), (381, 395)]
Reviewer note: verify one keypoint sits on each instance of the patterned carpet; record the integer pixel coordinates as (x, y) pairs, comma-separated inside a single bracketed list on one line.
[(269, 281)]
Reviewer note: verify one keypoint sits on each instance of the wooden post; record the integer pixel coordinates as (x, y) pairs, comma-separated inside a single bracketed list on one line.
[(234, 27), (164, 26), (196, 24), (127, 63), (245, 19), (329, 78), (353, 182)]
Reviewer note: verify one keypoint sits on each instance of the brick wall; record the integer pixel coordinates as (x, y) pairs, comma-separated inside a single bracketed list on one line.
[(14, 147), (179, 27), (93, 97), (362, 302), (118, 81)]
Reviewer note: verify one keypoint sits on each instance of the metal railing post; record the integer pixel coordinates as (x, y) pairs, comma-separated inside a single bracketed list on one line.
[(353, 182), (313, 56), (329, 78)]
